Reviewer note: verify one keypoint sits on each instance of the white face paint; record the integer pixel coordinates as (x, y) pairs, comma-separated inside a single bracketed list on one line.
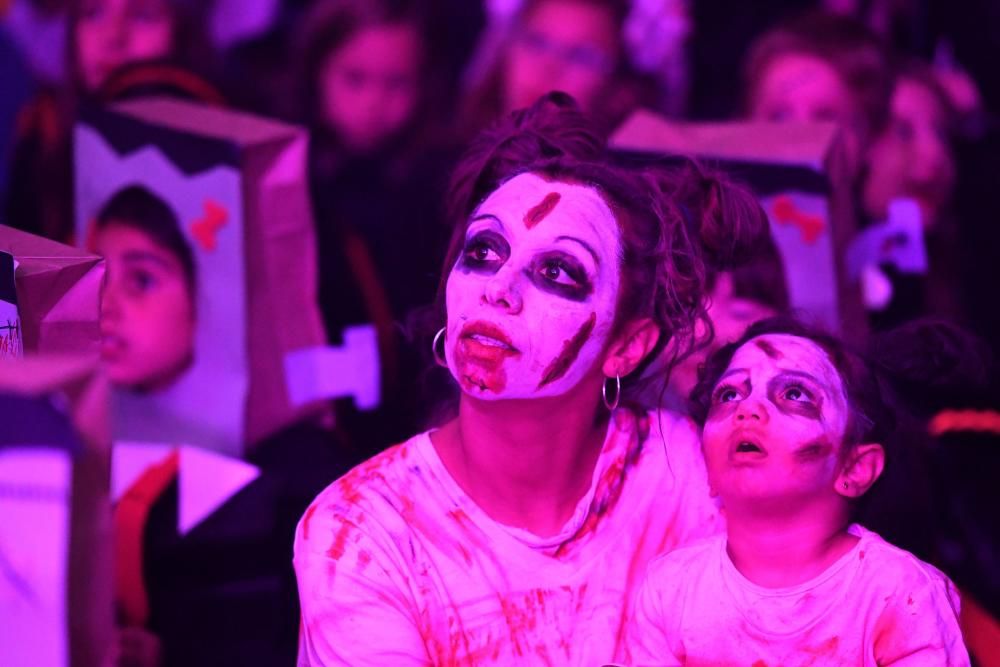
[(531, 300), (776, 426)]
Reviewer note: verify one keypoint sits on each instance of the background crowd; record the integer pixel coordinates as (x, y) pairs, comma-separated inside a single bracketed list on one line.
[(392, 91)]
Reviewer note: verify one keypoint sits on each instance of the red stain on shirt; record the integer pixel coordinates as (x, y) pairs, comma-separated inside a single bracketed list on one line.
[(539, 211), (305, 521)]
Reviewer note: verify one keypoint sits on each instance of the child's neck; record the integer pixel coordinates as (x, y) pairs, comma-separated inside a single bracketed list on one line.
[(779, 552)]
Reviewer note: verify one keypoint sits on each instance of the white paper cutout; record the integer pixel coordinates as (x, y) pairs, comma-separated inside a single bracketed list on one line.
[(353, 369)]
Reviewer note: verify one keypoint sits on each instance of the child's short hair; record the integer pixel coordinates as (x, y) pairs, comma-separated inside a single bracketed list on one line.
[(136, 207), (758, 277), (853, 51)]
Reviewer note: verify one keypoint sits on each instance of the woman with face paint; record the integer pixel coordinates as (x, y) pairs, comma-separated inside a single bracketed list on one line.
[(517, 532)]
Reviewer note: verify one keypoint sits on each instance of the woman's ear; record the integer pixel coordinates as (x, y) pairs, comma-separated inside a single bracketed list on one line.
[(633, 343), (861, 469)]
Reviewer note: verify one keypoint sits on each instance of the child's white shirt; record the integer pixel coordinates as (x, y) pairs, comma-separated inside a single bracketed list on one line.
[(877, 605), (398, 566)]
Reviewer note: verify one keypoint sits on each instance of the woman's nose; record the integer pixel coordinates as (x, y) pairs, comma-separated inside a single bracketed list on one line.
[(503, 292)]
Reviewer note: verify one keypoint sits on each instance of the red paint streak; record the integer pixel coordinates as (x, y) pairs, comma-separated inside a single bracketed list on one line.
[(539, 211), (205, 229), (861, 555), (770, 350), (571, 349), (785, 212), (909, 601), (364, 558), (759, 663), (305, 521)]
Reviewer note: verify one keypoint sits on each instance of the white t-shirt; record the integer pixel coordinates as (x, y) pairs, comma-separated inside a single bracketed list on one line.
[(398, 566), (877, 605)]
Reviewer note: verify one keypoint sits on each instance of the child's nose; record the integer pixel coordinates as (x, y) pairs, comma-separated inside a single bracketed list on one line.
[(752, 410)]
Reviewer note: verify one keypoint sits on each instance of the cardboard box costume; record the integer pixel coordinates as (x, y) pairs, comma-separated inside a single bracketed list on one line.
[(237, 185), (799, 175), (55, 586)]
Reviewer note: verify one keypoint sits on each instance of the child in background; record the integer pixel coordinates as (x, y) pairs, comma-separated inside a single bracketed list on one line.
[(573, 46), (820, 67), (103, 36), (753, 290), (795, 430), (377, 179), (147, 304)]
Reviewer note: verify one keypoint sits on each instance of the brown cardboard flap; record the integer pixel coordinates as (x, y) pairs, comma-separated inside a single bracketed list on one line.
[(239, 128), (805, 144), (58, 291)]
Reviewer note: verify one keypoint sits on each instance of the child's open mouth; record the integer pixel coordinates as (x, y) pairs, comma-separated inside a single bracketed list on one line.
[(746, 448)]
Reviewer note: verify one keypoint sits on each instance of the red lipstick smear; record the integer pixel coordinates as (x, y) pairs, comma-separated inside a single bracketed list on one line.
[(571, 349), (539, 211), (480, 366)]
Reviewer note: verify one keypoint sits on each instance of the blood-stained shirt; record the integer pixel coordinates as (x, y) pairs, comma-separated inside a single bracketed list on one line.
[(398, 566), (877, 605)]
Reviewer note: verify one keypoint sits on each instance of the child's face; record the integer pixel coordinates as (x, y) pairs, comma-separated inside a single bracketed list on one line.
[(912, 158), (777, 422), (532, 299), (147, 315), (562, 45), (801, 88), (370, 86), (112, 33)]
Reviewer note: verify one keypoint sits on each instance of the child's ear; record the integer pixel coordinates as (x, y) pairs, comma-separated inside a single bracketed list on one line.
[(861, 469), (636, 339)]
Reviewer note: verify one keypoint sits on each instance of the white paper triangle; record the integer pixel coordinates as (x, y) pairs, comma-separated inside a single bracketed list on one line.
[(207, 481)]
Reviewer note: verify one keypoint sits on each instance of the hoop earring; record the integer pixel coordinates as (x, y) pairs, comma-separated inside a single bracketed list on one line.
[(439, 358), (612, 404)]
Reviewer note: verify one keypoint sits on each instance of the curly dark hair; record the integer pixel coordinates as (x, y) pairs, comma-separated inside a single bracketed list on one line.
[(677, 224)]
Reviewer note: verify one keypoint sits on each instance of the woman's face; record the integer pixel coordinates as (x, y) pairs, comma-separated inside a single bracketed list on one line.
[(531, 300), (370, 85), (913, 158), (147, 314), (776, 425), (564, 45), (113, 33)]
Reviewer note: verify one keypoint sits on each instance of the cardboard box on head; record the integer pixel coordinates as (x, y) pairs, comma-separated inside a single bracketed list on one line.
[(236, 185), (801, 179)]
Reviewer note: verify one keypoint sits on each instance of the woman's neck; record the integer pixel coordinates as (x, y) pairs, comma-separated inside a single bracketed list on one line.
[(779, 552), (526, 463)]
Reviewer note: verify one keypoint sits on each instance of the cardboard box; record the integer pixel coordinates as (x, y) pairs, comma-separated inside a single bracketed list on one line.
[(801, 178)]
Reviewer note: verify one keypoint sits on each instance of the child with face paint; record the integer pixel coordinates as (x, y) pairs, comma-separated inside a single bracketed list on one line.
[(793, 428), (516, 533)]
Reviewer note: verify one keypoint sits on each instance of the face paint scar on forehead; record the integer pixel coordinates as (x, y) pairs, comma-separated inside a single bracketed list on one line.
[(539, 211), (571, 349), (769, 349)]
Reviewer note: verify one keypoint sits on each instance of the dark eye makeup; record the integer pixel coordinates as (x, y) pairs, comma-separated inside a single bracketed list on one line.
[(561, 274), (484, 252)]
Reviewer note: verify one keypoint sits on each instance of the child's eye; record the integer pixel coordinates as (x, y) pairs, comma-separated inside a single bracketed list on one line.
[(725, 394), (140, 282), (797, 394)]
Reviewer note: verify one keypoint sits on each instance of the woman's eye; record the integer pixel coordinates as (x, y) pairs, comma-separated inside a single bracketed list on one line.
[(556, 271), (486, 251), (481, 252)]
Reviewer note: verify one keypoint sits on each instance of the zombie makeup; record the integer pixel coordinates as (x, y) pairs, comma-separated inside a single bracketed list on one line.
[(777, 421), (531, 300)]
